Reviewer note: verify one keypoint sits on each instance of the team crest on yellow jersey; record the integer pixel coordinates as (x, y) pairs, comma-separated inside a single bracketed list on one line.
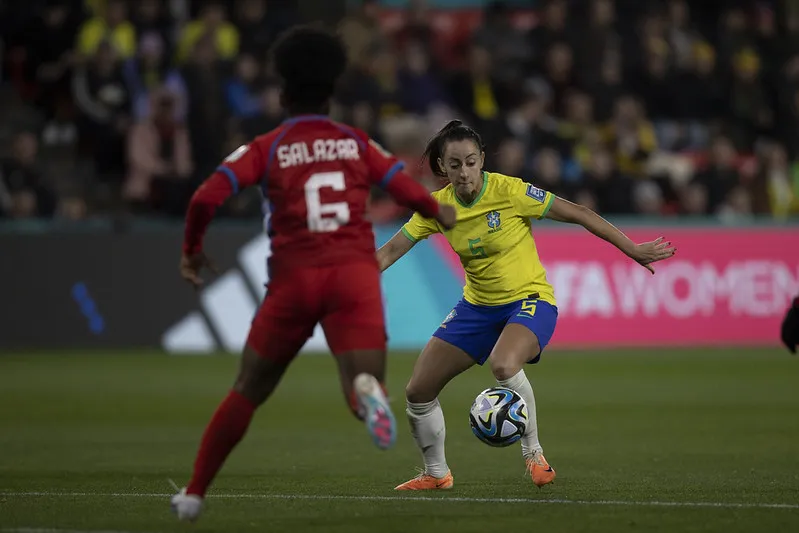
[(494, 221)]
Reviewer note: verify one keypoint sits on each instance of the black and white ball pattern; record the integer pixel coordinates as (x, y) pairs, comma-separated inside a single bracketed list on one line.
[(498, 416)]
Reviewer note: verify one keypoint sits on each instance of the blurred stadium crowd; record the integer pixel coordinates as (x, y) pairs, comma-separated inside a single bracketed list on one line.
[(655, 107)]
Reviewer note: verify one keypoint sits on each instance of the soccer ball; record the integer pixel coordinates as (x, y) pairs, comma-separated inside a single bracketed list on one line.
[(498, 416)]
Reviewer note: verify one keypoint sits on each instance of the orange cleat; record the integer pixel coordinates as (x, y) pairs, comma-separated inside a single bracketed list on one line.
[(427, 482), (540, 471)]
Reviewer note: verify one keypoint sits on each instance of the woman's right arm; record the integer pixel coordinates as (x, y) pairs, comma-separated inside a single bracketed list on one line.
[(396, 247)]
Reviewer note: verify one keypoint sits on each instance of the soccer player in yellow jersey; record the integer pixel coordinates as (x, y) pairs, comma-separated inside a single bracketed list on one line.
[(508, 311)]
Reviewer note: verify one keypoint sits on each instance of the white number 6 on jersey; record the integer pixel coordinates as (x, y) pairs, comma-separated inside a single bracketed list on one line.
[(323, 218)]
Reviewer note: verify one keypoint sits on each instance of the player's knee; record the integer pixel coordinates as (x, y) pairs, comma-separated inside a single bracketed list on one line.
[(415, 393), (250, 390), (503, 368), (257, 377)]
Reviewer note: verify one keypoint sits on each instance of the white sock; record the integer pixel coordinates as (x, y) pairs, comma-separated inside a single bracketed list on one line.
[(429, 432), (521, 384)]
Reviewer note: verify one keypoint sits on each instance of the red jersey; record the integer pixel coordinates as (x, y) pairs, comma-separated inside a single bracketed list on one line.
[(315, 175)]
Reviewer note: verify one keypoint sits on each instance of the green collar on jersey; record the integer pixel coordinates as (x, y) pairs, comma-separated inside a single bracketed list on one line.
[(477, 198)]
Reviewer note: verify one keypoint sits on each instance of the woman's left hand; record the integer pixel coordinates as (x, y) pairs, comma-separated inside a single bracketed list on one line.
[(650, 252)]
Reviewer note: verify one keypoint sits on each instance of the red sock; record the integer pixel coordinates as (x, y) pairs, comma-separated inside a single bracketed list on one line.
[(227, 427)]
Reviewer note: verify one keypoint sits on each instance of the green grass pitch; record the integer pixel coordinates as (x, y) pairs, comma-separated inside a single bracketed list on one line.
[(659, 440)]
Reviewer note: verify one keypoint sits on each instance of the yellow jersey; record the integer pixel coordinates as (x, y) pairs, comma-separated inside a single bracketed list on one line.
[(94, 30), (493, 239), (226, 39)]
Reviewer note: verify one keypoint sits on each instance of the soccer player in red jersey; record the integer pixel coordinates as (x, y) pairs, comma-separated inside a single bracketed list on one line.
[(315, 176)]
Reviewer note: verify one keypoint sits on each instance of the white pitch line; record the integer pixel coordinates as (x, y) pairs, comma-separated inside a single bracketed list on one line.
[(53, 530), (444, 499)]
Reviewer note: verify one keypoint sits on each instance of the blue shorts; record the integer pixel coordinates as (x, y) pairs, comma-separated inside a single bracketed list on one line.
[(475, 329)]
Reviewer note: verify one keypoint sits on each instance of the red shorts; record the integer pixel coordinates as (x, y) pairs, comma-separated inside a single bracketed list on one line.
[(346, 299)]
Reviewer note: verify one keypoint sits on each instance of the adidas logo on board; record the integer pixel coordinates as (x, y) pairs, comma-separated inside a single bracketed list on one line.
[(227, 306)]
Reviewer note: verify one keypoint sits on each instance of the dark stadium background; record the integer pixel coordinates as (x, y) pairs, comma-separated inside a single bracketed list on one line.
[(695, 105)]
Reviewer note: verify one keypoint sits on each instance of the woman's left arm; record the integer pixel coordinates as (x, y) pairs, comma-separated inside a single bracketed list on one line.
[(644, 253)]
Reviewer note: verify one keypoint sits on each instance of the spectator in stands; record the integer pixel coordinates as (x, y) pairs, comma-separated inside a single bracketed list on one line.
[(652, 40), (256, 32), (207, 114), (92, 7), (681, 34), (609, 88), (48, 43), (103, 100), (418, 31), (596, 39), (151, 70), (384, 64), (576, 123), (112, 27), (151, 17), (548, 171), (790, 12), (693, 199), (159, 154), (748, 103), (377, 82), (259, 24), (363, 116), (358, 85), (788, 103), (631, 136), (737, 206), (511, 160), (530, 122), (655, 86), (648, 198), (24, 191), (552, 29), (610, 191), (775, 188), (420, 88), (721, 176), (243, 90), (477, 93), (269, 115), (699, 96), (767, 42), (735, 35), (213, 25), (360, 30), (559, 73), (509, 46)]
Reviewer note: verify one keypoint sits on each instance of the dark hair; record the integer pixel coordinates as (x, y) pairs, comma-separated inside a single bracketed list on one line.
[(455, 130), (310, 61)]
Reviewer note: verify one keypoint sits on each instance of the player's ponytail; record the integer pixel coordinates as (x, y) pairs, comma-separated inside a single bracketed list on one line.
[(455, 130)]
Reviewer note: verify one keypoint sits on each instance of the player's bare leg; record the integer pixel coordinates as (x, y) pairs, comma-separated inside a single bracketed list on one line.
[(516, 346), (438, 363), (363, 374), (257, 379)]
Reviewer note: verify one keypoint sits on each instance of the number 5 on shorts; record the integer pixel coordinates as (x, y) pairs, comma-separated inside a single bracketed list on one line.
[(528, 308)]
